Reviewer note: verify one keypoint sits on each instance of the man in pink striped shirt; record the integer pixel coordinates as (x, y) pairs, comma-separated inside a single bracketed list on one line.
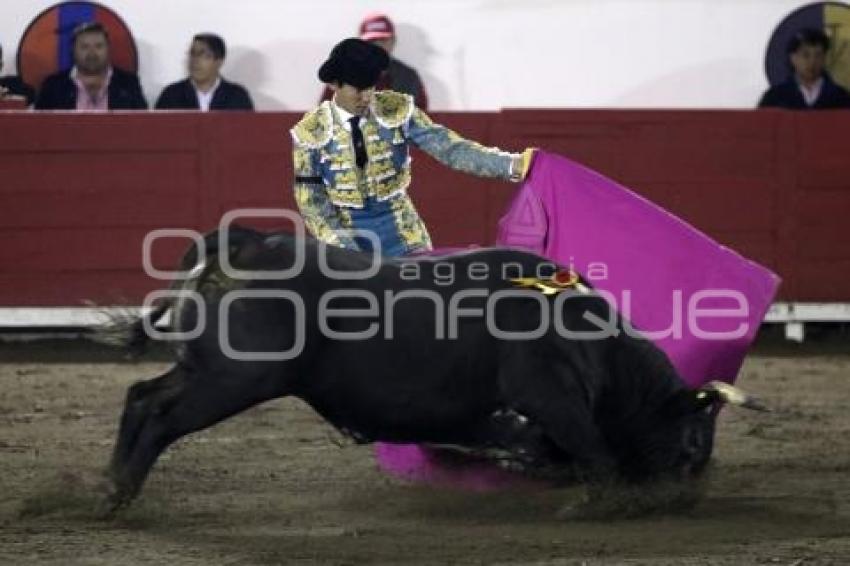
[(92, 90), (92, 84)]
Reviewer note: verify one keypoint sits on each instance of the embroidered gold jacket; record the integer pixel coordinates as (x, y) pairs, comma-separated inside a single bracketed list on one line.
[(328, 183)]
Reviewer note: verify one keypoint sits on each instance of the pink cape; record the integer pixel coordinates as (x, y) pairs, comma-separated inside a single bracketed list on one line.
[(699, 301)]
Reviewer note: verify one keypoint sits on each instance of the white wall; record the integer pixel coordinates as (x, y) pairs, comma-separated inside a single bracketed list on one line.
[(473, 54)]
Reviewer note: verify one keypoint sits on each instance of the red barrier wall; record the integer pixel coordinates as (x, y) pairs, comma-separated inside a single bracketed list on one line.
[(78, 193)]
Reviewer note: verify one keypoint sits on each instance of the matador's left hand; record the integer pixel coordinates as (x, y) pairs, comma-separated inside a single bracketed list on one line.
[(522, 163)]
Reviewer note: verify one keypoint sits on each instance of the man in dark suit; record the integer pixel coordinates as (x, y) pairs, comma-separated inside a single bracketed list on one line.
[(92, 84), (205, 89), (810, 87), (12, 87)]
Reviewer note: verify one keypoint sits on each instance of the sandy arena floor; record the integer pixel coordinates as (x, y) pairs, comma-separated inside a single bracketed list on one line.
[(273, 486)]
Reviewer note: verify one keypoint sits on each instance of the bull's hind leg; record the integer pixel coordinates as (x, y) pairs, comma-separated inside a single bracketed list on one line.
[(187, 404), (136, 410)]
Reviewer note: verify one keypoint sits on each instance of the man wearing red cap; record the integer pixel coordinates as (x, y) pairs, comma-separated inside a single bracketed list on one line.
[(379, 30)]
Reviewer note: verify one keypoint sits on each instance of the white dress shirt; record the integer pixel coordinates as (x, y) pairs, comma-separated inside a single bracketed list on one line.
[(811, 93), (345, 116), (205, 98)]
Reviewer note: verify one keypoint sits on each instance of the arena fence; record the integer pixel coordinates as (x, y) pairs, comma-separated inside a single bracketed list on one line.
[(78, 192)]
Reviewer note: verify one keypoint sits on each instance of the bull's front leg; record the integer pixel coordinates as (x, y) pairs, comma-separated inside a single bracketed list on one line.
[(568, 420), (567, 417), (570, 425), (547, 392), (551, 393)]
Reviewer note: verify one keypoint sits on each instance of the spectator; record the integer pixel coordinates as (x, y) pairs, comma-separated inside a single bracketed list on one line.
[(810, 87), (379, 29), (351, 157), (92, 83), (205, 89), (13, 87)]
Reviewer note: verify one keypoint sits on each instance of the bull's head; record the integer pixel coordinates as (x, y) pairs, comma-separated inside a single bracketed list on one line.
[(681, 438), (698, 433)]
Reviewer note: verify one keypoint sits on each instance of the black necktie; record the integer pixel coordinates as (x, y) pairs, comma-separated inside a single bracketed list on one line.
[(359, 143)]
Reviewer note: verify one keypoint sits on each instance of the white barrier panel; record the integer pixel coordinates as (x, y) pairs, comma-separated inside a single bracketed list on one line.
[(793, 315)]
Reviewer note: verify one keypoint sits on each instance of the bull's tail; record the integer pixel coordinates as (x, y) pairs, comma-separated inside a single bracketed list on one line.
[(137, 337), (126, 330), (129, 331)]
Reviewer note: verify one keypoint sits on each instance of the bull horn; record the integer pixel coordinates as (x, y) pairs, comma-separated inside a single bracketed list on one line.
[(735, 396)]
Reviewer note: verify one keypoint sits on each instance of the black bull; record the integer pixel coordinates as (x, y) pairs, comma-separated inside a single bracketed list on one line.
[(611, 407)]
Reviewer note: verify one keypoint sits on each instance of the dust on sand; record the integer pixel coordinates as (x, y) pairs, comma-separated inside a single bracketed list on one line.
[(271, 486)]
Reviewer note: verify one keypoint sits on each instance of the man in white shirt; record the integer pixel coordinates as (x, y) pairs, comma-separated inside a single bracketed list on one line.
[(205, 89), (810, 87)]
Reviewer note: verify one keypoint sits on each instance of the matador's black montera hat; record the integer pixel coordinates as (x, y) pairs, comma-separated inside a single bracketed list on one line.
[(354, 62)]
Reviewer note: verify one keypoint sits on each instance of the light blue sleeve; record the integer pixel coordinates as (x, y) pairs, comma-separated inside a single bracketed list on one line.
[(450, 149)]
